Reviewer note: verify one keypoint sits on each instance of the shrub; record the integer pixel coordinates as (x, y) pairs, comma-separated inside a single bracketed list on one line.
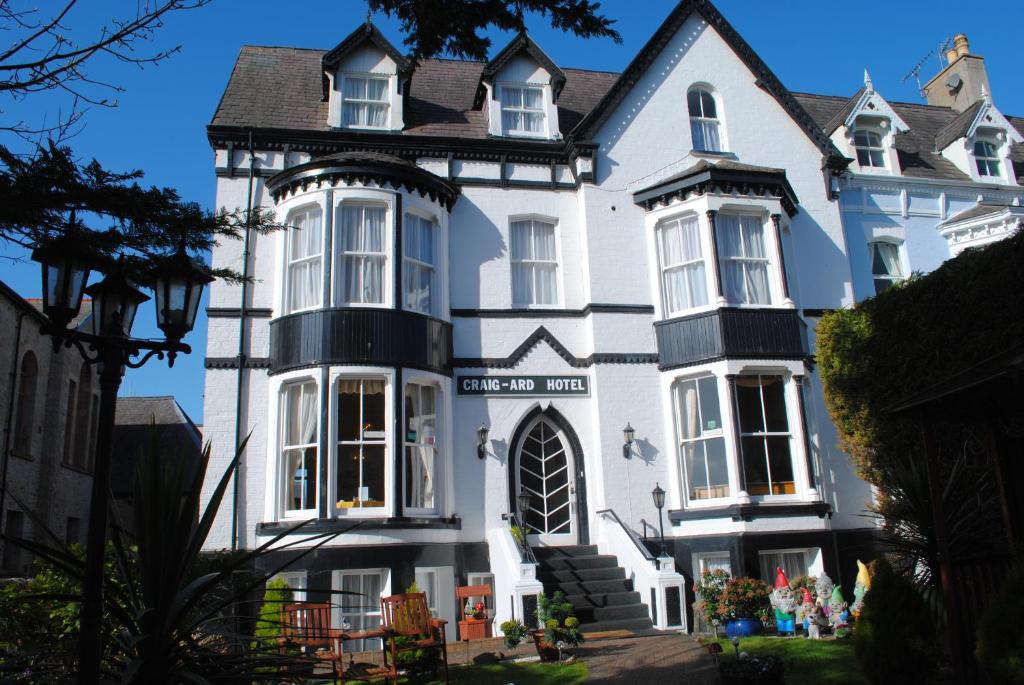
[(766, 670), (894, 640), (1000, 633), (556, 615), (514, 631), (268, 627), (745, 598), (709, 593)]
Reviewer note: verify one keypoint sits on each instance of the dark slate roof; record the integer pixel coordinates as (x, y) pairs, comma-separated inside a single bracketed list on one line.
[(917, 149), (957, 128), (978, 210), (840, 116), (136, 419)]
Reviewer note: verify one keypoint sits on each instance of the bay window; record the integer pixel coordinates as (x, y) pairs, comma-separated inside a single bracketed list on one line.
[(365, 101), (420, 447), (362, 444), (363, 253), (299, 470), (522, 110), (705, 470), (534, 263), (683, 277), (419, 250), (743, 258), (304, 279), (764, 435)]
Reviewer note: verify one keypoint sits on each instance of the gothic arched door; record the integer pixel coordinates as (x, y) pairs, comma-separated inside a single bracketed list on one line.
[(548, 466)]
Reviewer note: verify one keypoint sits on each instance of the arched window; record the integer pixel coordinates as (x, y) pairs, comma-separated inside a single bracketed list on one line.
[(868, 144), (83, 424), (986, 156), (26, 406), (704, 121)]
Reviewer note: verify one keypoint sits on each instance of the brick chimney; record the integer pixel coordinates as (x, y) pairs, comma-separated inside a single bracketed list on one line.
[(960, 84)]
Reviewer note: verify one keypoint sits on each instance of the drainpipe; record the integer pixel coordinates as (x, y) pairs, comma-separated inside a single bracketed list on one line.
[(8, 427), (241, 358)]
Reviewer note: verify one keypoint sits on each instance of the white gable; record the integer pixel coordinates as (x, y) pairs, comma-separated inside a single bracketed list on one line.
[(522, 69), (872, 104), (990, 117), (367, 59)]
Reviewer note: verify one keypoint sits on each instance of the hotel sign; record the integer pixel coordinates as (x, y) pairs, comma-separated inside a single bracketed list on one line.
[(523, 385)]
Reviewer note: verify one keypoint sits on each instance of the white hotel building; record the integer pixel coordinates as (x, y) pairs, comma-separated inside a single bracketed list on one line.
[(555, 254)]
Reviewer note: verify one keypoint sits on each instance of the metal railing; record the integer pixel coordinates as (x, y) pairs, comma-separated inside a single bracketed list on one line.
[(525, 552), (632, 536)]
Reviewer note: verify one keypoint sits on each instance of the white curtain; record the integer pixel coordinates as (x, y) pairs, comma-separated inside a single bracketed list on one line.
[(421, 446), (300, 462), (705, 135), (362, 278), (887, 260), (683, 276), (418, 276), (522, 109), (534, 263), (365, 101), (742, 258), (352, 386), (304, 272)]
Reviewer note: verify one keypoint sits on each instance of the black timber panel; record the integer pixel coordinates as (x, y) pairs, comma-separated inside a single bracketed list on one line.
[(730, 332)]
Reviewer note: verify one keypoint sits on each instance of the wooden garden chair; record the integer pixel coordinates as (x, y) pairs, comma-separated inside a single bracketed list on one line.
[(308, 627), (407, 615)]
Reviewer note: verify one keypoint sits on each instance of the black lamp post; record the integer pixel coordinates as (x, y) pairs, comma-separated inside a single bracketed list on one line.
[(659, 501), (523, 500), (178, 284)]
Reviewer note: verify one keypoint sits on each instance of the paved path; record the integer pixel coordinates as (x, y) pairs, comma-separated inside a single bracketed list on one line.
[(656, 660)]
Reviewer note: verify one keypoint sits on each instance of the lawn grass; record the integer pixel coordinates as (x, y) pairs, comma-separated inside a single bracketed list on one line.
[(808, 662), (520, 673)]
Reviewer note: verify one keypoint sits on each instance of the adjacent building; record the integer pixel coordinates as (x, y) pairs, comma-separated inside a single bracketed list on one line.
[(495, 268)]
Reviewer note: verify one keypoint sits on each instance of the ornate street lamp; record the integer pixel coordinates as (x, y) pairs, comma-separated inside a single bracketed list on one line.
[(523, 500), (627, 436), (481, 440), (659, 502), (178, 282)]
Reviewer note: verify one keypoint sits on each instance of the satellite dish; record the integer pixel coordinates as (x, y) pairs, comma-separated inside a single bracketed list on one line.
[(954, 82)]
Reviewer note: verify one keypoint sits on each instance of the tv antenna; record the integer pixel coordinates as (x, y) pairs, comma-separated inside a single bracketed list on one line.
[(915, 73)]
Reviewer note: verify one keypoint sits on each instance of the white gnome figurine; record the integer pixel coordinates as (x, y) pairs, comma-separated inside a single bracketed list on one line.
[(823, 588)]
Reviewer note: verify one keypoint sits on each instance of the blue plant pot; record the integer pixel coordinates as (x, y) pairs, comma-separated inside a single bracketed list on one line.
[(743, 627)]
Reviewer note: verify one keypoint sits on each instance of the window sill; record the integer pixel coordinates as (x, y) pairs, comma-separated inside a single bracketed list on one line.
[(721, 154), (363, 524), (749, 512)]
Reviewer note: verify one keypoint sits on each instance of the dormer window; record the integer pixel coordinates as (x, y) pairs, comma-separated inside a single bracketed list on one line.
[(365, 101), (523, 111), (870, 152), (704, 125), (986, 156)]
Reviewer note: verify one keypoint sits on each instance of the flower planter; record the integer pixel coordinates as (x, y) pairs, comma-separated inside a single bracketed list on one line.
[(545, 650), (743, 627)]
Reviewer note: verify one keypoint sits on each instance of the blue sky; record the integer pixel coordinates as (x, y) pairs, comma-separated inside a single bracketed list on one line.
[(159, 125)]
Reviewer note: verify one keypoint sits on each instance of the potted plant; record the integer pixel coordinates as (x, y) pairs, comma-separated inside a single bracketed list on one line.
[(742, 605), (561, 628), (514, 631)]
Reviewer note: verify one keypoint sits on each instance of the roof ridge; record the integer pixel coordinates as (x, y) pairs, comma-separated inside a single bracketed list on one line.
[(283, 47)]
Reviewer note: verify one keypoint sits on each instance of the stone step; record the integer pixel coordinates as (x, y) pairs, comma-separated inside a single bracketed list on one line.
[(607, 599), (613, 613), (635, 624), (565, 551), (545, 575), (593, 587), (575, 563)]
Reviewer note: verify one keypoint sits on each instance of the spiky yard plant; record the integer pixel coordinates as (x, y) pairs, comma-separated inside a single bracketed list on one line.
[(169, 615)]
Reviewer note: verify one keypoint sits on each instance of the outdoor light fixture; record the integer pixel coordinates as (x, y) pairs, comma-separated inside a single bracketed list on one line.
[(659, 502), (735, 640), (66, 266), (627, 435), (481, 440), (523, 500), (178, 284), (114, 306)]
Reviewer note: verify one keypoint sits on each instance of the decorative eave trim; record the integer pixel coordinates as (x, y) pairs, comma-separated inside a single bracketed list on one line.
[(320, 143), (366, 32), (723, 182), (232, 363), (521, 43), (884, 110), (542, 334), (749, 512), (766, 79), (380, 172), (989, 116)]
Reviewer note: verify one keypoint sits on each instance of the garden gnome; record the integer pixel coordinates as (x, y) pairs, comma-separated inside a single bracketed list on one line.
[(783, 599), (806, 608), (860, 588), (823, 586), (838, 614)]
